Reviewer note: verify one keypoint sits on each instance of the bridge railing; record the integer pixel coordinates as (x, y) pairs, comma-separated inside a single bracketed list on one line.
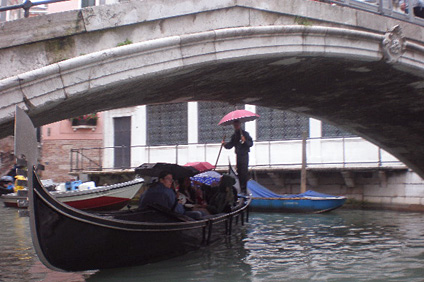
[(343, 152), (388, 8)]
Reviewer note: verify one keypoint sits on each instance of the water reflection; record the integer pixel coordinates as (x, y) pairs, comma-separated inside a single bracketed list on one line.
[(341, 246), (344, 245), (18, 261)]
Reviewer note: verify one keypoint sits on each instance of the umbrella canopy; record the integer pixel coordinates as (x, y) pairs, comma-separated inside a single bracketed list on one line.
[(201, 166), (207, 177), (177, 171), (241, 115)]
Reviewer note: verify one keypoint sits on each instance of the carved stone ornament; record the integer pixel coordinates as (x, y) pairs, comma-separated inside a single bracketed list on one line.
[(393, 44)]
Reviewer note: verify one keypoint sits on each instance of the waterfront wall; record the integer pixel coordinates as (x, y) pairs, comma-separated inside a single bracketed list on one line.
[(399, 189)]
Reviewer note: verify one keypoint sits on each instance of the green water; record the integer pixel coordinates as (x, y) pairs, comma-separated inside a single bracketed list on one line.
[(344, 245)]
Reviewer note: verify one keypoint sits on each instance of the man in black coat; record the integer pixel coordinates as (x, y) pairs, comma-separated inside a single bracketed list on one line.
[(242, 142)]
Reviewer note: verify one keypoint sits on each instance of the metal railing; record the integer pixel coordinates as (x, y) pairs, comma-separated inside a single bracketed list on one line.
[(28, 4), (102, 158), (381, 7), (388, 8)]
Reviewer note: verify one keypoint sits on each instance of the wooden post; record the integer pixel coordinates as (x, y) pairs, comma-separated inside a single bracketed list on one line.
[(303, 171)]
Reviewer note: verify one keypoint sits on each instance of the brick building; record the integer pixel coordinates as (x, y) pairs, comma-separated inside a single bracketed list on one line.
[(57, 140)]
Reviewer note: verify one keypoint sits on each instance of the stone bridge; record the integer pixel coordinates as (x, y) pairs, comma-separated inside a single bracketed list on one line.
[(357, 70)]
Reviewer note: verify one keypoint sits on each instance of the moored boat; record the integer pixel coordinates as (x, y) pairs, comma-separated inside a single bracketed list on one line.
[(308, 202), (111, 197)]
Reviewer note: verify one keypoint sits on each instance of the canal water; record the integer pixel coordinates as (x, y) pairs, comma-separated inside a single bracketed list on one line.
[(344, 245)]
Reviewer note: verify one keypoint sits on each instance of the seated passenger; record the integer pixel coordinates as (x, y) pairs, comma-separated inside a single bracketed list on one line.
[(223, 198), (161, 194), (6, 185), (186, 194)]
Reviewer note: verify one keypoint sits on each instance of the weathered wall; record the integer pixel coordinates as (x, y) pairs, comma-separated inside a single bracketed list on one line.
[(56, 157), (7, 159)]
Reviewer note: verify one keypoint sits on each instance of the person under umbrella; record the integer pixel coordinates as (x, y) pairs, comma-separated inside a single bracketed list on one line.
[(242, 142)]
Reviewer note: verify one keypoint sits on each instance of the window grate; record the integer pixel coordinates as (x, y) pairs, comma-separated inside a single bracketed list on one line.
[(280, 125), (167, 124)]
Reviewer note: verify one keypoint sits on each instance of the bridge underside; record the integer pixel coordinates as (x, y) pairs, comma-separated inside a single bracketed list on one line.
[(371, 99), (335, 74)]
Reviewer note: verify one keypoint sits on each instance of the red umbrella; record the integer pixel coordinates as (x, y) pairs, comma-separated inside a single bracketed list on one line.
[(201, 166), (241, 115)]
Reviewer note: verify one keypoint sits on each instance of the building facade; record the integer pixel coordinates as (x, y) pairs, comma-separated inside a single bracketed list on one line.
[(188, 132)]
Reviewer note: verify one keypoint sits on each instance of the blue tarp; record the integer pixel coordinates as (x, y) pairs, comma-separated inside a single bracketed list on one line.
[(259, 191)]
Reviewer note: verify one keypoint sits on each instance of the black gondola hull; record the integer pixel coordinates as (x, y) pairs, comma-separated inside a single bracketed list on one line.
[(73, 240)]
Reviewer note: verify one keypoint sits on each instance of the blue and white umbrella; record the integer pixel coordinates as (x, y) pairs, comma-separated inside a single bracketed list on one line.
[(207, 177)]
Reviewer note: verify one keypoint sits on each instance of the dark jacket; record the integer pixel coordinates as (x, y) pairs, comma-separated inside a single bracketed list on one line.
[(241, 149), (161, 195)]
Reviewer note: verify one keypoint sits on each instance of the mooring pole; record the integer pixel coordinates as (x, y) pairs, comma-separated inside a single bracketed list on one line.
[(303, 171)]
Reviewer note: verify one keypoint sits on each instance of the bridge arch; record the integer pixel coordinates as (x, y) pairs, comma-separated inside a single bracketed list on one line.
[(338, 75)]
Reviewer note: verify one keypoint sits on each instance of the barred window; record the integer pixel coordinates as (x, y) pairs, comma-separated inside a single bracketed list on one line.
[(329, 130), (88, 3), (280, 125), (209, 114), (167, 124)]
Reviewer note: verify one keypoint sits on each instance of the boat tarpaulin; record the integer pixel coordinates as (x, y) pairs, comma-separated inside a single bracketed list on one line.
[(259, 191)]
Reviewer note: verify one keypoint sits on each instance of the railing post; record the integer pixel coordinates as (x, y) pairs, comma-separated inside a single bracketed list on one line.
[(148, 154), (410, 10), (100, 159), (204, 152), (77, 159), (269, 153), (82, 158), (344, 152), (176, 153), (71, 160), (122, 156)]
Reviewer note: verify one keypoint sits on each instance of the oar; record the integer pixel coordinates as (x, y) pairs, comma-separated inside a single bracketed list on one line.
[(219, 154)]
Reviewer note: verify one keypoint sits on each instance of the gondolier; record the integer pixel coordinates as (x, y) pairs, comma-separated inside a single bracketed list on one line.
[(242, 142)]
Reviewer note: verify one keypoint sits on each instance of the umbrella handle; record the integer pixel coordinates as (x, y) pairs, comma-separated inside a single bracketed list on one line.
[(219, 154), (241, 135)]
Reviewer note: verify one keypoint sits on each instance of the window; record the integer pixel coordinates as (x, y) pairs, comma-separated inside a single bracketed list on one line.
[(280, 125), (167, 124), (329, 130), (209, 115), (88, 3)]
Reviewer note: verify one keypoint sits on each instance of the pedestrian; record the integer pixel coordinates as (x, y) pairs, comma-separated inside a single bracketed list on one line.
[(417, 5), (242, 142)]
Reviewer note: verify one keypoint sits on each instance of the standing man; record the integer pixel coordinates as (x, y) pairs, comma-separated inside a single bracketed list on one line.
[(242, 142)]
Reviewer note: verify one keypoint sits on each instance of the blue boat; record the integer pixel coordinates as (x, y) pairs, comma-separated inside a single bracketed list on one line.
[(308, 202)]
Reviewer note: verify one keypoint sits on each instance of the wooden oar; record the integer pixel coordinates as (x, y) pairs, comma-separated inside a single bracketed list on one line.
[(219, 154)]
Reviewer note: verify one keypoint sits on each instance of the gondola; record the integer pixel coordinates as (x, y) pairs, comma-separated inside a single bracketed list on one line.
[(73, 240), (69, 239)]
